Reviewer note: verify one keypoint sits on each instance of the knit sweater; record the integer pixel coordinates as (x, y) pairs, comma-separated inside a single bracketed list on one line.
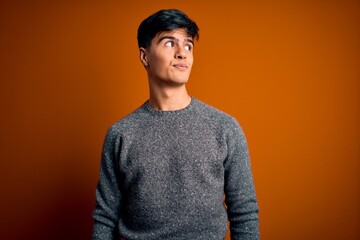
[(164, 174)]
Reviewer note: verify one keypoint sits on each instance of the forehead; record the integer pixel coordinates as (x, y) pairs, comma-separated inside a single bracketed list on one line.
[(179, 33)]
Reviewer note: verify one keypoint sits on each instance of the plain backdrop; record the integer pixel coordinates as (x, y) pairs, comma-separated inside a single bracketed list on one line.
[(289, 71)]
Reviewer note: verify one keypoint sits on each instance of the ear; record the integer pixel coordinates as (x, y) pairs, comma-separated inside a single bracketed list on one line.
[(143, 57)]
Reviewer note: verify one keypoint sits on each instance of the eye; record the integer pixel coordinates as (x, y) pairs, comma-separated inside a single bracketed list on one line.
[(169, 44), (188, 47)]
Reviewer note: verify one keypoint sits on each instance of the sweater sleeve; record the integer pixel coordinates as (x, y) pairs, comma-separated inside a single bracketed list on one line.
[(240, 196), (108, 195)]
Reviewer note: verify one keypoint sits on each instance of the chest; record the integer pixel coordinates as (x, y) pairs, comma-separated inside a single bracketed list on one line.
[(178, 152)]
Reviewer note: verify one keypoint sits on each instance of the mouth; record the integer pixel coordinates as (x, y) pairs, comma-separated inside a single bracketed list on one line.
[(180, 66)]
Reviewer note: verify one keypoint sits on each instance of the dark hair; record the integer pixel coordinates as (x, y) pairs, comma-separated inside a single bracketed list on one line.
[(165, 20)]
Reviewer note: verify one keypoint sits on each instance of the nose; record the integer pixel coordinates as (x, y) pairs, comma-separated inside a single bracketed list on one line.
[(180, 53)]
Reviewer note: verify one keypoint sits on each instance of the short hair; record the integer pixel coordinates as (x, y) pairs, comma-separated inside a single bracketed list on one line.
[(165, 20)]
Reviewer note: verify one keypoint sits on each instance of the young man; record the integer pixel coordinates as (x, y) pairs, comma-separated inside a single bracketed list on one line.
[(166, 167)]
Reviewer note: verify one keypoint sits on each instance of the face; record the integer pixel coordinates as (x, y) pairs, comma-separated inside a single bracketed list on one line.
[(169, 58)]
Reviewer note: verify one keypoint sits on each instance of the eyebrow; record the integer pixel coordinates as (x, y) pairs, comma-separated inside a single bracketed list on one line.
[(174, 38)]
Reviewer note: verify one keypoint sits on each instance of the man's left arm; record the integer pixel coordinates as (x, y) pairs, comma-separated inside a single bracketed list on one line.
[(240, 197)]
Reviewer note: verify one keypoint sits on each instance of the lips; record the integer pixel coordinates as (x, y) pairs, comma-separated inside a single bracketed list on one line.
[(180, 66)]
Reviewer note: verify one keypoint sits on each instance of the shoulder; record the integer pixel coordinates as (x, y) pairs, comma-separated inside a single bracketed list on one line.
[(216, 116), (128, 123), (226, 125)]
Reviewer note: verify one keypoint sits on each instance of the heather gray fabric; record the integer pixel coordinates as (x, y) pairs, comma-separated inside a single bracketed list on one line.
[(164, 174)]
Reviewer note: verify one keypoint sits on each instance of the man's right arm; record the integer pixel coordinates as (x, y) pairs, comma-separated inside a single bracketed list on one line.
[(108, 195)]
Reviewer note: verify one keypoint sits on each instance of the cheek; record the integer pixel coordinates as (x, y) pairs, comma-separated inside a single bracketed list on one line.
[(156, 64), (190, 60), (159, 61)]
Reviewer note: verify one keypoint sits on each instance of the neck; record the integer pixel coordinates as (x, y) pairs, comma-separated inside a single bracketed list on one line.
[(169, 99)]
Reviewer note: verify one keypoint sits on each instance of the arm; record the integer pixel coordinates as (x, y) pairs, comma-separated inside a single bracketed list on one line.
[(106, 213), (240, 194)]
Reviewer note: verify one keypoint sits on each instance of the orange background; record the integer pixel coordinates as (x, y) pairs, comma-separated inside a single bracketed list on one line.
[(289, 71)]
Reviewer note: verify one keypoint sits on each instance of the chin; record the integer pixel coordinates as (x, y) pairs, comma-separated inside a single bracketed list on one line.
[(180, 81), (174, 81)]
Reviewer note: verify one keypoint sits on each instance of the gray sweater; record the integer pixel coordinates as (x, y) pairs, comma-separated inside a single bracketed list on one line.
[(163, 175)]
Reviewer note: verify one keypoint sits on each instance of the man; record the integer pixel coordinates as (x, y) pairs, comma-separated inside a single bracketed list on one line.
[(166, 167)]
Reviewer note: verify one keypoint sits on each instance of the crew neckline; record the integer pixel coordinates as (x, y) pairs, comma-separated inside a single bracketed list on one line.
[(150, 109)]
